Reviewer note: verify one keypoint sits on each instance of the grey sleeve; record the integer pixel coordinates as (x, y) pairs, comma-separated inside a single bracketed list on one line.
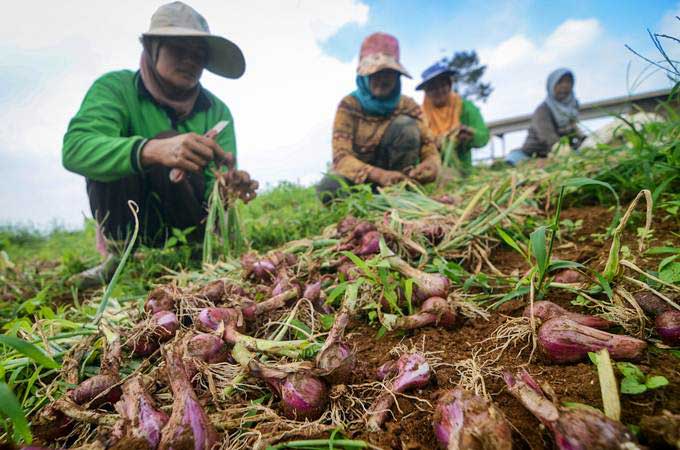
[(544, 126)]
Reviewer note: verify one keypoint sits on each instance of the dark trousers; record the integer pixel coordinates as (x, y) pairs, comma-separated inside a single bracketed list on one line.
[(399, 150), (163, 205)]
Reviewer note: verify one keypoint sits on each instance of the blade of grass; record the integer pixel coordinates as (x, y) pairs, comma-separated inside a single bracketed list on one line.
[(29, 350), (10, 408)]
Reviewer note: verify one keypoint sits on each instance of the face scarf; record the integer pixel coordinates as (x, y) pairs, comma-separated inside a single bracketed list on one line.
[(564, 112), (442, 120), (375, 106), (165, 94)]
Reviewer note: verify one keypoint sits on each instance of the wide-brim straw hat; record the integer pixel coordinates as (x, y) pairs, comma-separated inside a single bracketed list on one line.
[(178, 19), (380, 51)]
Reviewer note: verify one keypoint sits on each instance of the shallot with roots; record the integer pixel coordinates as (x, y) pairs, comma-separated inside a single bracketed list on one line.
[(435, 311), (148, 335), (141, 422), (465, 421), (189, 425), (102, 388), (427, 284), (314, 294), (564, 340), (212, 319), (651, 303), (303, 395), (265, 269), (667, 324), (336, 359), (413, 371), (545, 310), (208, 348), (161, 299), (572, 428)]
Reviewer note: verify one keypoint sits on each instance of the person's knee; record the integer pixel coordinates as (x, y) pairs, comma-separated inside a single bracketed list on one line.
[(327, 189), (406, 131)]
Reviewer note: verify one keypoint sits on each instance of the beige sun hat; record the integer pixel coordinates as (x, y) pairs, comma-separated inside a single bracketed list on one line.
[(178, 19)]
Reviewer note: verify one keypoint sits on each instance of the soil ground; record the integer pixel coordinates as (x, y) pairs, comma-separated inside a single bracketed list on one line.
[(412, 427)]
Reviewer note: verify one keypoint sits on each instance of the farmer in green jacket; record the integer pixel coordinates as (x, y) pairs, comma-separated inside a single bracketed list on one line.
[(140, 136), (456, 123)]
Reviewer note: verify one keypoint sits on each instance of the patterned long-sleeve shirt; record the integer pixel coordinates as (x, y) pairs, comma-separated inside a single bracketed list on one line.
[(356, 135)]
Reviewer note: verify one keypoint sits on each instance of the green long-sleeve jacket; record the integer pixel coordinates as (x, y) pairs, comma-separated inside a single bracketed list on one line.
[(118, 116), (471, 117)]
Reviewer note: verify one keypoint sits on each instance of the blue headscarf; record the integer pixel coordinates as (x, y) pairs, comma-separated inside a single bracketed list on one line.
[(372, 105), (564, 112)]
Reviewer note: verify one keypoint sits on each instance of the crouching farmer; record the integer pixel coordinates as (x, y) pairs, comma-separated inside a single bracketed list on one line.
[(135, 129), (379, 136)]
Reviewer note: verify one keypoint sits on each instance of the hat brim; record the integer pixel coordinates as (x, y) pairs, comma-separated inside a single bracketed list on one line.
[(225, 57), (422, 84), (376, 63)]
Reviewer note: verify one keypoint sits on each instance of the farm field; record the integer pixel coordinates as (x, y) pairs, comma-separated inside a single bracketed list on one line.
[(280, 347)]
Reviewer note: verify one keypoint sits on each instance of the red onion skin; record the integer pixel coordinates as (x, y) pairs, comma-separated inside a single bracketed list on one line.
[(208, 348), (160, 299), (90, 389), (413, 372), (465, 421), (546, 310), (568, 276), (214, 292), (563, 340), (141, 419), (369, 245), (314, 294), (386, 370), (210, 319), (435, 311), (667, 324), (189, 425), (161, 327), (346, 225), (303, 396), (651, 303), (336, 362), (361, 230), (572, 428)]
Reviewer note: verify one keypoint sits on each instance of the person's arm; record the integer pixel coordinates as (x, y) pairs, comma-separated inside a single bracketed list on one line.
[(472, 117), (95, 144), (345, 163), (542, 123)]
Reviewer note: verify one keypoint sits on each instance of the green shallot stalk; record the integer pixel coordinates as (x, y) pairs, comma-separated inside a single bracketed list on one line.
[(114, 280), (612, 266)]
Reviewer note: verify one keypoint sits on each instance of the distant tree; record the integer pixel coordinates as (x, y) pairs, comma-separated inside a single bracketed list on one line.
[(468, 73)]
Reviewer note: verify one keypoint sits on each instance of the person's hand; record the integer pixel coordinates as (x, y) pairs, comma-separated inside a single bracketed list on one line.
[(465, 134), (426, 171), (238, 184), (383, 177), (189, 151)]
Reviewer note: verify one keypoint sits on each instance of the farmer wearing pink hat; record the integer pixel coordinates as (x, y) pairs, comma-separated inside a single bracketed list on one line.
[(379, 136), (135, 129)]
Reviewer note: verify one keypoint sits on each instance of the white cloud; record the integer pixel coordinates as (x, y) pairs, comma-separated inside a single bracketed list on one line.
[(283, 106)]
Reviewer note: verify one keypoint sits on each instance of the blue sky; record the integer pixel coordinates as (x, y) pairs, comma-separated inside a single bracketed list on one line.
[(301, 60), (469, 24)]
